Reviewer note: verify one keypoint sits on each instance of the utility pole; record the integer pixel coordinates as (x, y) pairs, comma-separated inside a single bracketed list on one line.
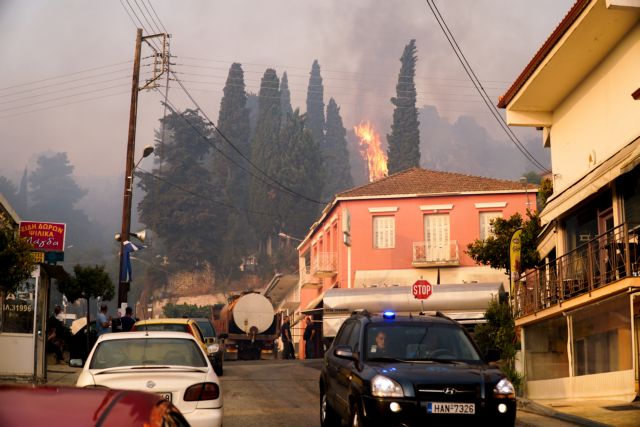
[(123, 279)]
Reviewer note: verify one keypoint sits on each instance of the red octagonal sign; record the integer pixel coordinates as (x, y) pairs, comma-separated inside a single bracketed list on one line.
[(421, 289)]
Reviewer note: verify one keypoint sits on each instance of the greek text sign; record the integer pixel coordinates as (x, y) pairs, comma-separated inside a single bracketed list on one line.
[(44, 236)]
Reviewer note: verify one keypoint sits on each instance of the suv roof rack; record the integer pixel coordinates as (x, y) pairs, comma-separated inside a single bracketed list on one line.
[(361, 311)]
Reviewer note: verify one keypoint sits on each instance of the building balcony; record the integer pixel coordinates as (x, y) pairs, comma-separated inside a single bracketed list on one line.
[(428, 254), (308, 280), (324, 264), (604, 260)]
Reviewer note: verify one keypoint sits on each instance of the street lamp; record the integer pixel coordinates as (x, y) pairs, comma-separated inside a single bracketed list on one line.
[(286, 236), (123, 280)]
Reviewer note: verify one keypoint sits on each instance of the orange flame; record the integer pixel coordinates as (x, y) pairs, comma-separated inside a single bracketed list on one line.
[(371, 151)]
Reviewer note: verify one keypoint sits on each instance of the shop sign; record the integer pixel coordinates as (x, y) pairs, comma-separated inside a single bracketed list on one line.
[(44, 236)]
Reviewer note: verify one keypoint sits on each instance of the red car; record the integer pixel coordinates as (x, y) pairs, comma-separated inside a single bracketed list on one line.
[(70, 406)]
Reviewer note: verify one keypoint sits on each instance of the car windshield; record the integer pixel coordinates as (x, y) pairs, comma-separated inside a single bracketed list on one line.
[(147, 352), (207, 328), (171, 327), (418, 342)]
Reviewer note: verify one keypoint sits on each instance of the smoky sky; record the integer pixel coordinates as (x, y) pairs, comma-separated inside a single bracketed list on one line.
[(357, 43)]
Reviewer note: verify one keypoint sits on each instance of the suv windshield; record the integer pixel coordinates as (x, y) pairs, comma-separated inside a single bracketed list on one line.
[(206, 328), (418, 341)]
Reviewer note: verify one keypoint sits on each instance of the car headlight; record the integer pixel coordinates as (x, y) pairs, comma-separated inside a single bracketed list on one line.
[(504, 388), (382, 386), (213, 348)]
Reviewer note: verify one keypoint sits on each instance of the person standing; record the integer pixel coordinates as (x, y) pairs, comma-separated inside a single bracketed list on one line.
[(127, 321), (287, 343), (103, 323), (309, 337)]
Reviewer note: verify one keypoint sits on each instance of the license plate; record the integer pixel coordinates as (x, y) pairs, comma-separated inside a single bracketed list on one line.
[(166, 396), (450, 408)]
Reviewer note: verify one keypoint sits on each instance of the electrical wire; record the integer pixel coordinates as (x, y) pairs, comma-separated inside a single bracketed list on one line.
[(472, 76), (279, 185)]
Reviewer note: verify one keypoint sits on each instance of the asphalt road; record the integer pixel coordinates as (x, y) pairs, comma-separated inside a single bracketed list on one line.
[(284, 393)]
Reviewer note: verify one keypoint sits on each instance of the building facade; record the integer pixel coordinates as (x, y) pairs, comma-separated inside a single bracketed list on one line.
[(413, 225), (579, 314)]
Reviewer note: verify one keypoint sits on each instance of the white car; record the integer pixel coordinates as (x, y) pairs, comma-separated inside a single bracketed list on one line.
[(172, 364)]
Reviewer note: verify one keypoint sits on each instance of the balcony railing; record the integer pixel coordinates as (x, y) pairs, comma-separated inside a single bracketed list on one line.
[(605, 259), (309, 280), (324, 264), (428, 254)]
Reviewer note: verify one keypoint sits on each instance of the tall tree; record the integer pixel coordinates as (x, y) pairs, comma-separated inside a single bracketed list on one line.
[(178, 203), (336, 157), (300, 171), (285, 96), (9, 191), (265, 151), (315, 104), (55, 194), (233, 123), (404, 140)]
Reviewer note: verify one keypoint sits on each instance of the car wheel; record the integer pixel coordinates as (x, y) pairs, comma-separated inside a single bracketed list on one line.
[(328, 416), (356, 417), (218, 370)]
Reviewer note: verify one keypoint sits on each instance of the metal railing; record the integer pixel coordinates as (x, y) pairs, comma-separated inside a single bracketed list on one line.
[(324, 262), (308, 278), (607, 258), (436, 253)]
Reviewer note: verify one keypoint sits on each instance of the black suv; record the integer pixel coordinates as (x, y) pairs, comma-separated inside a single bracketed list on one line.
[(411, 371)]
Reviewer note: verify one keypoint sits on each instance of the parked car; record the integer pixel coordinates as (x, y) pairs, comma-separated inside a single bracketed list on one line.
[(170, 364), (189, 326), (71, 406), (215, 345), (383, 370)]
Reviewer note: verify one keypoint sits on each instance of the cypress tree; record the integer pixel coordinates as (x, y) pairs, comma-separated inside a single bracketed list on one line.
[(285, 96), (300, 171), (336, 156), (177, 204), (233, 182), (315, 104), (404, 140), (265, 153)]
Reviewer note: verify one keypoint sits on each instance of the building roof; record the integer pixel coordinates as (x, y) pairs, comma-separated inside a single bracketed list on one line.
[(419, 182), (542, 53)]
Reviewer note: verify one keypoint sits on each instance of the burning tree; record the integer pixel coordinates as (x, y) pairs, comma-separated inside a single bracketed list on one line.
[(371, 150)]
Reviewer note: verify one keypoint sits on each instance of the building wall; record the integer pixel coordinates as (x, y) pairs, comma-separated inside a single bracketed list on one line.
[(599, 117)]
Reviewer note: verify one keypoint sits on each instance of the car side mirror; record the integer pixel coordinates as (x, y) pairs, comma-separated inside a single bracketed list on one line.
[(223, 336), (345, 352), (210, 340), (492, 355)]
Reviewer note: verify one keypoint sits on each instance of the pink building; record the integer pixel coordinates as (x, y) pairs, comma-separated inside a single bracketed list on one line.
[(411, 225)]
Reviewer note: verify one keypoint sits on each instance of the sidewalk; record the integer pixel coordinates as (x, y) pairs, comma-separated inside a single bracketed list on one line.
[(62, 374), (591, 413)]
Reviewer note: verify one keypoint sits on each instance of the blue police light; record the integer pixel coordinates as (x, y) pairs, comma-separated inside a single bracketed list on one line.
[(389, 315)]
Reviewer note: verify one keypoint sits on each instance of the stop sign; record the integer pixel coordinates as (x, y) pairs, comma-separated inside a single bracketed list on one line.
[(421, 289)]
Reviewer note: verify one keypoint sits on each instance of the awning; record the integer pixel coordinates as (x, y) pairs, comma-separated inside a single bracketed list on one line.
[(314, 305), (55, 271), (621, 162), (407, 277)]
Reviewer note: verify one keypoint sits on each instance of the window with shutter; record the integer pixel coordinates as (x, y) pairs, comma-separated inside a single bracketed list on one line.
[(485, 223), (384, 232)]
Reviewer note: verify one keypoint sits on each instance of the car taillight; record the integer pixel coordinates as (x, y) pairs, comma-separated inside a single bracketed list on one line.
[(202, 391)]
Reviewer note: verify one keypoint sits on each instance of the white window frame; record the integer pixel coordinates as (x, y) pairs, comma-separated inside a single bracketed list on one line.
[(384, 231), (485, 223)]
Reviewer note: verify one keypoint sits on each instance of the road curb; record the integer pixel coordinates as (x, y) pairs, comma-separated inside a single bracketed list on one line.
[(536, 408)]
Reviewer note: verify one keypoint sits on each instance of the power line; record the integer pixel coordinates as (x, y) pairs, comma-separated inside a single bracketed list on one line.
[(159, 20), (213, 145), (276, 182), (64, 75), (476, 82)]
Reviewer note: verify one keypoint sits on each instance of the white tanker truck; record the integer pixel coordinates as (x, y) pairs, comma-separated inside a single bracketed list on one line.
[(251, 325)]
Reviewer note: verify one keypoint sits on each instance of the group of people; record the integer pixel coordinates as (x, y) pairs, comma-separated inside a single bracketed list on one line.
[(105, 324), (309, 337)]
